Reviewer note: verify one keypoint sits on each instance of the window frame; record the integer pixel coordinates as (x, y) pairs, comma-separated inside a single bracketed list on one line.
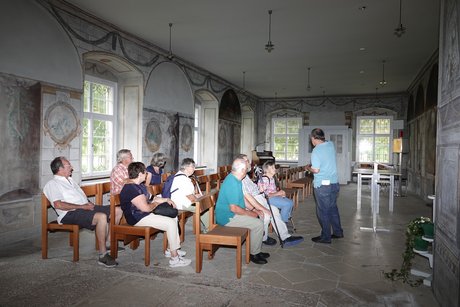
[(374, 135), (272, 143), (91, 116)]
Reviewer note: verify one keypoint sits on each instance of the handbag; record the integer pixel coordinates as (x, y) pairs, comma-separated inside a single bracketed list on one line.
[(165, 209)]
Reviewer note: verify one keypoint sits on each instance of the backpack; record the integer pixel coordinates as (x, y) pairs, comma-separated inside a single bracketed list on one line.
[(166, 192)]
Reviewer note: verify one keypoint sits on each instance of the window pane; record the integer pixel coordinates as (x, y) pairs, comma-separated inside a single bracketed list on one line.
[(366, 126), (86, 96), (102, 145), (279, 127), (292, 148), (280, 148), (382, 149), (382, 126), (102, 99), (293, 126), (366, 149), (85, 154)]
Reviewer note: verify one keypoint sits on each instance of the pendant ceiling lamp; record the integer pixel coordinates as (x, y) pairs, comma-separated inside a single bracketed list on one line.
[(269, 46), (308, 79), (170, 54), (400, 30), (383, 82)]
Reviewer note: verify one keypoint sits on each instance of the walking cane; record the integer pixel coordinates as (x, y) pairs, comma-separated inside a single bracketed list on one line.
[(273, 219)]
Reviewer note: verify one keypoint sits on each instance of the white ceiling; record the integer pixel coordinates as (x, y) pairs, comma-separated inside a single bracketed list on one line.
[(228, 37)]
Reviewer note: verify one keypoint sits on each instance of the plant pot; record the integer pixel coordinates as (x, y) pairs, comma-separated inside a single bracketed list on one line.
[(420, 244), (428, 230)]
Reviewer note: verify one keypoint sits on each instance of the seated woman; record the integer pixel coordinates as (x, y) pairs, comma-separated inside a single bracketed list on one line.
[(155, 169), (138, 212), (277, 197)]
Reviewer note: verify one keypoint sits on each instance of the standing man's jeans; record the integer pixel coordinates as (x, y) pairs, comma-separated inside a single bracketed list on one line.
[(327, 211), (284, 204)]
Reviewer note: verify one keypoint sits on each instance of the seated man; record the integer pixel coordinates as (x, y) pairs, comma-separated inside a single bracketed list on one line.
[(73, 207), (276, 196), (120, 172), (183, 192), (258, 201), (231, 211)]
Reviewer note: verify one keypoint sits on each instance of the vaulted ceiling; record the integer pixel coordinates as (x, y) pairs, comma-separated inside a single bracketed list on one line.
[(343, 41)]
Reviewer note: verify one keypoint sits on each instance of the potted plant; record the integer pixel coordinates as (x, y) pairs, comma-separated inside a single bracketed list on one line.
[(414, 233)]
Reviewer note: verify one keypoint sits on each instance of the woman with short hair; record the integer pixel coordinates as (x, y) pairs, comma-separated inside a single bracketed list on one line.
[(155, 169), (138, 212)]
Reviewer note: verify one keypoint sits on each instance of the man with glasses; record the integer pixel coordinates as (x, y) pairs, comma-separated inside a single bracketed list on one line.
[(73, 207)]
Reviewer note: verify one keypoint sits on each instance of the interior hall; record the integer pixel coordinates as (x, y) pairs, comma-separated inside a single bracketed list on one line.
[(210, 80)]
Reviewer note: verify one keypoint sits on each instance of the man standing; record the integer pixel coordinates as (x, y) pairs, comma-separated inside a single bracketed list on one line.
[(258, 201), (232, 212), (73, 207), (120, 172), (326, 187)]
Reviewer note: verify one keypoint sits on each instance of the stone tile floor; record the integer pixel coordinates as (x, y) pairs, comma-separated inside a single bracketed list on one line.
[(347, 272)]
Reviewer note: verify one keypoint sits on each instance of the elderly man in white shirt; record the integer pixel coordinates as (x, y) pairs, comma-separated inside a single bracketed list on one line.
[(73, 207), (183, 192), (258, 201)]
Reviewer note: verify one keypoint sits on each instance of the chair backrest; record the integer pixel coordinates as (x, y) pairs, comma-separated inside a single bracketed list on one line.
[(222, 169), (204, 203), (92, 191), (222, 176), (204, 183), (45, 205), (199, 172), (214, 181), (114, 202), (155, 189)]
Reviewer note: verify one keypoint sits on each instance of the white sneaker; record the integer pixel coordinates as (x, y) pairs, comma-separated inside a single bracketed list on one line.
[(181, 253), (179, 261)]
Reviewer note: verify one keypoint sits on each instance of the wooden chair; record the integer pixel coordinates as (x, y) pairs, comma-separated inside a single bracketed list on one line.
[(292, 183), (204, 183), (53, 226), (128, 233), (94, 190), (214, 182), (218, 235)]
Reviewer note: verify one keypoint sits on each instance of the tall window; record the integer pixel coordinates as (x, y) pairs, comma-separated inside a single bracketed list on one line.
[(374, 139), (98, 127), (285, 138)]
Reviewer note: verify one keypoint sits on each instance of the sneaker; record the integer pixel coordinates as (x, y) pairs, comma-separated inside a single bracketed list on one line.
[(107, 260), (269, 241), (181, 253), (292, 240), (175, 262)]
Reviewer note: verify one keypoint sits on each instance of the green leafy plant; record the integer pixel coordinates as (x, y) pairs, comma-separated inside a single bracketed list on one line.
[(414, 229)]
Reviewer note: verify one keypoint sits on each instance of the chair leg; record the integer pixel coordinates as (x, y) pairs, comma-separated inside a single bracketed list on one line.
[(147, 249), (44, 243), (292, 223), (199, 259), (238, 259), (113, 246), (248, 246), (75, 234), (182, 227)]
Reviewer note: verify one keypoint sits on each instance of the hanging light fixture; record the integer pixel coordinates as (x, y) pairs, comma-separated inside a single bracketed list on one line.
[(383, 82), (170, 54), (400, 30), (269, 46), (244, 81), (308, 79)]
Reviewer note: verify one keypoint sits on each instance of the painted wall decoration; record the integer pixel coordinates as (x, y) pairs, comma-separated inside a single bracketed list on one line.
[(222, 137), (61, 123), (186, 137), (230, 108), (20, 138), (153, 135)]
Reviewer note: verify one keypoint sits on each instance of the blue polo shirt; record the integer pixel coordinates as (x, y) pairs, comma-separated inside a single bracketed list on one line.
[(231, 192), (323, 158)]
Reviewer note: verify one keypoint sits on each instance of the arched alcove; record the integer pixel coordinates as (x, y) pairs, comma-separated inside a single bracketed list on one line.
[(229, 136), (38, 48), (129, 81), (247, 130), (169, 89)]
